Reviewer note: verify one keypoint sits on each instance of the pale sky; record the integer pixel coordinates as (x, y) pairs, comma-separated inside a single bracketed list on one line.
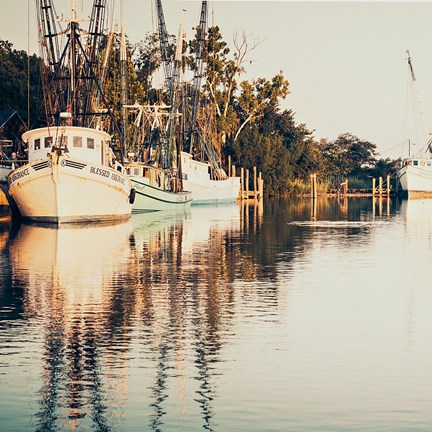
[(345, 61)]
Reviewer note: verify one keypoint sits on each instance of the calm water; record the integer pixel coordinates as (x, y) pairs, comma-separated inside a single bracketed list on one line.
[(290, 317)]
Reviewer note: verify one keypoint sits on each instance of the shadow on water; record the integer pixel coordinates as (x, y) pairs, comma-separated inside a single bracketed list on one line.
[(158, 291)]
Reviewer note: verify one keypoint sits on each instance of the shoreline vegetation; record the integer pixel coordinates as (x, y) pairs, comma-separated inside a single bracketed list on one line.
[(244, 119)]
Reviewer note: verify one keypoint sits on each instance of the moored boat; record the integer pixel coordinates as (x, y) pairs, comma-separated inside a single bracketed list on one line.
[(415, 173), (73, 182), (415, 176), (155, 189), (71, 175), (208, 185)]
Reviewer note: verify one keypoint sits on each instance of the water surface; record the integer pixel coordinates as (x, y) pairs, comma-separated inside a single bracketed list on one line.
[(290, 316)]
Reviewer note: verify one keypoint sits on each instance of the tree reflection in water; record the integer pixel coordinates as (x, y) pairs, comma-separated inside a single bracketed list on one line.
[(133, 318)]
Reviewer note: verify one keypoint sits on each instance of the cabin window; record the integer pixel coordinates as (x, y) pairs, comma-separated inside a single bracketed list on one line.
[(77, 141), (37, 144), (429, 163), (48, 142), (90, 143), (136, 171), (415, 162), (422, 163), (145, 172)]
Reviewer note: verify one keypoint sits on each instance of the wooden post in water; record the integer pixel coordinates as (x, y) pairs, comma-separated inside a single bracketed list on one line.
[(388, 185), (247, 184), (242, 182), (260, 186), (255, 182), (373, 186), (380, 186), (229, 165), (233, 171), (313, 186)]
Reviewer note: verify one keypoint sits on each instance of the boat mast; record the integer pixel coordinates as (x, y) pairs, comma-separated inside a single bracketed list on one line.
[(71, 82), (164, 45), (123, 73), (426, 130), (199, 72)]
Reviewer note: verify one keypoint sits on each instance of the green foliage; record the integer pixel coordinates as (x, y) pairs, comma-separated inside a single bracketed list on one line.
[(247, 120), (14, 79)]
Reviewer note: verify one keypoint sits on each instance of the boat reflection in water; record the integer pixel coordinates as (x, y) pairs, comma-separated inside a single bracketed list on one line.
[(127, 318), (65, 273)]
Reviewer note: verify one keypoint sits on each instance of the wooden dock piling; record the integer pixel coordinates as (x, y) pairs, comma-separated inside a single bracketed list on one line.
[(313, 186)]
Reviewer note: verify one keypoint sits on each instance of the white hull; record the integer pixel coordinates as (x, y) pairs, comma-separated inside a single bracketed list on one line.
[(207, 190), (149, 198), (213, 191), (415, 177), (60, 189)]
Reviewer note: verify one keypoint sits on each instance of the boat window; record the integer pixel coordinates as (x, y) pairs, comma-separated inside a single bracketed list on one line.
[(136, 171), (77, 141), (48, 141), (146, 172), (429, 163), (422, 163), (415, 162), (90, 143), (63, 140), (37, 144)]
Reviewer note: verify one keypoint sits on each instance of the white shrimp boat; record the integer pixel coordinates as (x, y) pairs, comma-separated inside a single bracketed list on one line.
[(154, 190), (415, 176), (208, 185), (415, 173), (68, 178), (71, 175)]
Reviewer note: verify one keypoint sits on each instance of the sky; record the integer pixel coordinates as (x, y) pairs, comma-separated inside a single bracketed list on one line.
[(346, 62)]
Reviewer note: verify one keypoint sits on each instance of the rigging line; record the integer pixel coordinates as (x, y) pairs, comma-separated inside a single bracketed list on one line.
[(406, 107), (28, 64)]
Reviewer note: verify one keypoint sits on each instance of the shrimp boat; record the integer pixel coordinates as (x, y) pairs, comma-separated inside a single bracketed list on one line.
[(154, 166), (69, 185), (71, 175), (202, 171), (415, 173)]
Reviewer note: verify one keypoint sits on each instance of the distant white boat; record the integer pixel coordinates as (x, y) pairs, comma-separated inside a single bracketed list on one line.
[(208, 185), (415, 176), (154, 190), (68, 178)]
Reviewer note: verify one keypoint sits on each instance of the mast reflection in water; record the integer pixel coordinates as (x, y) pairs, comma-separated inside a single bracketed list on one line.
[(232, 317)]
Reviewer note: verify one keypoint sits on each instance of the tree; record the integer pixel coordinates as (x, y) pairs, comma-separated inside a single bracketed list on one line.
[(14, 80), (255, 97), (348, 155), (222, 74)]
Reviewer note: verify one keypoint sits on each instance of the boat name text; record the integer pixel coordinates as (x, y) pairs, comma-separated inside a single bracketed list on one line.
[(19, 175), (106, 173)]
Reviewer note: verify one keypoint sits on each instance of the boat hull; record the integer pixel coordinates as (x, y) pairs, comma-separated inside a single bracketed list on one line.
[(149, 198), (60, 189), (416, 180), (206, 191)]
